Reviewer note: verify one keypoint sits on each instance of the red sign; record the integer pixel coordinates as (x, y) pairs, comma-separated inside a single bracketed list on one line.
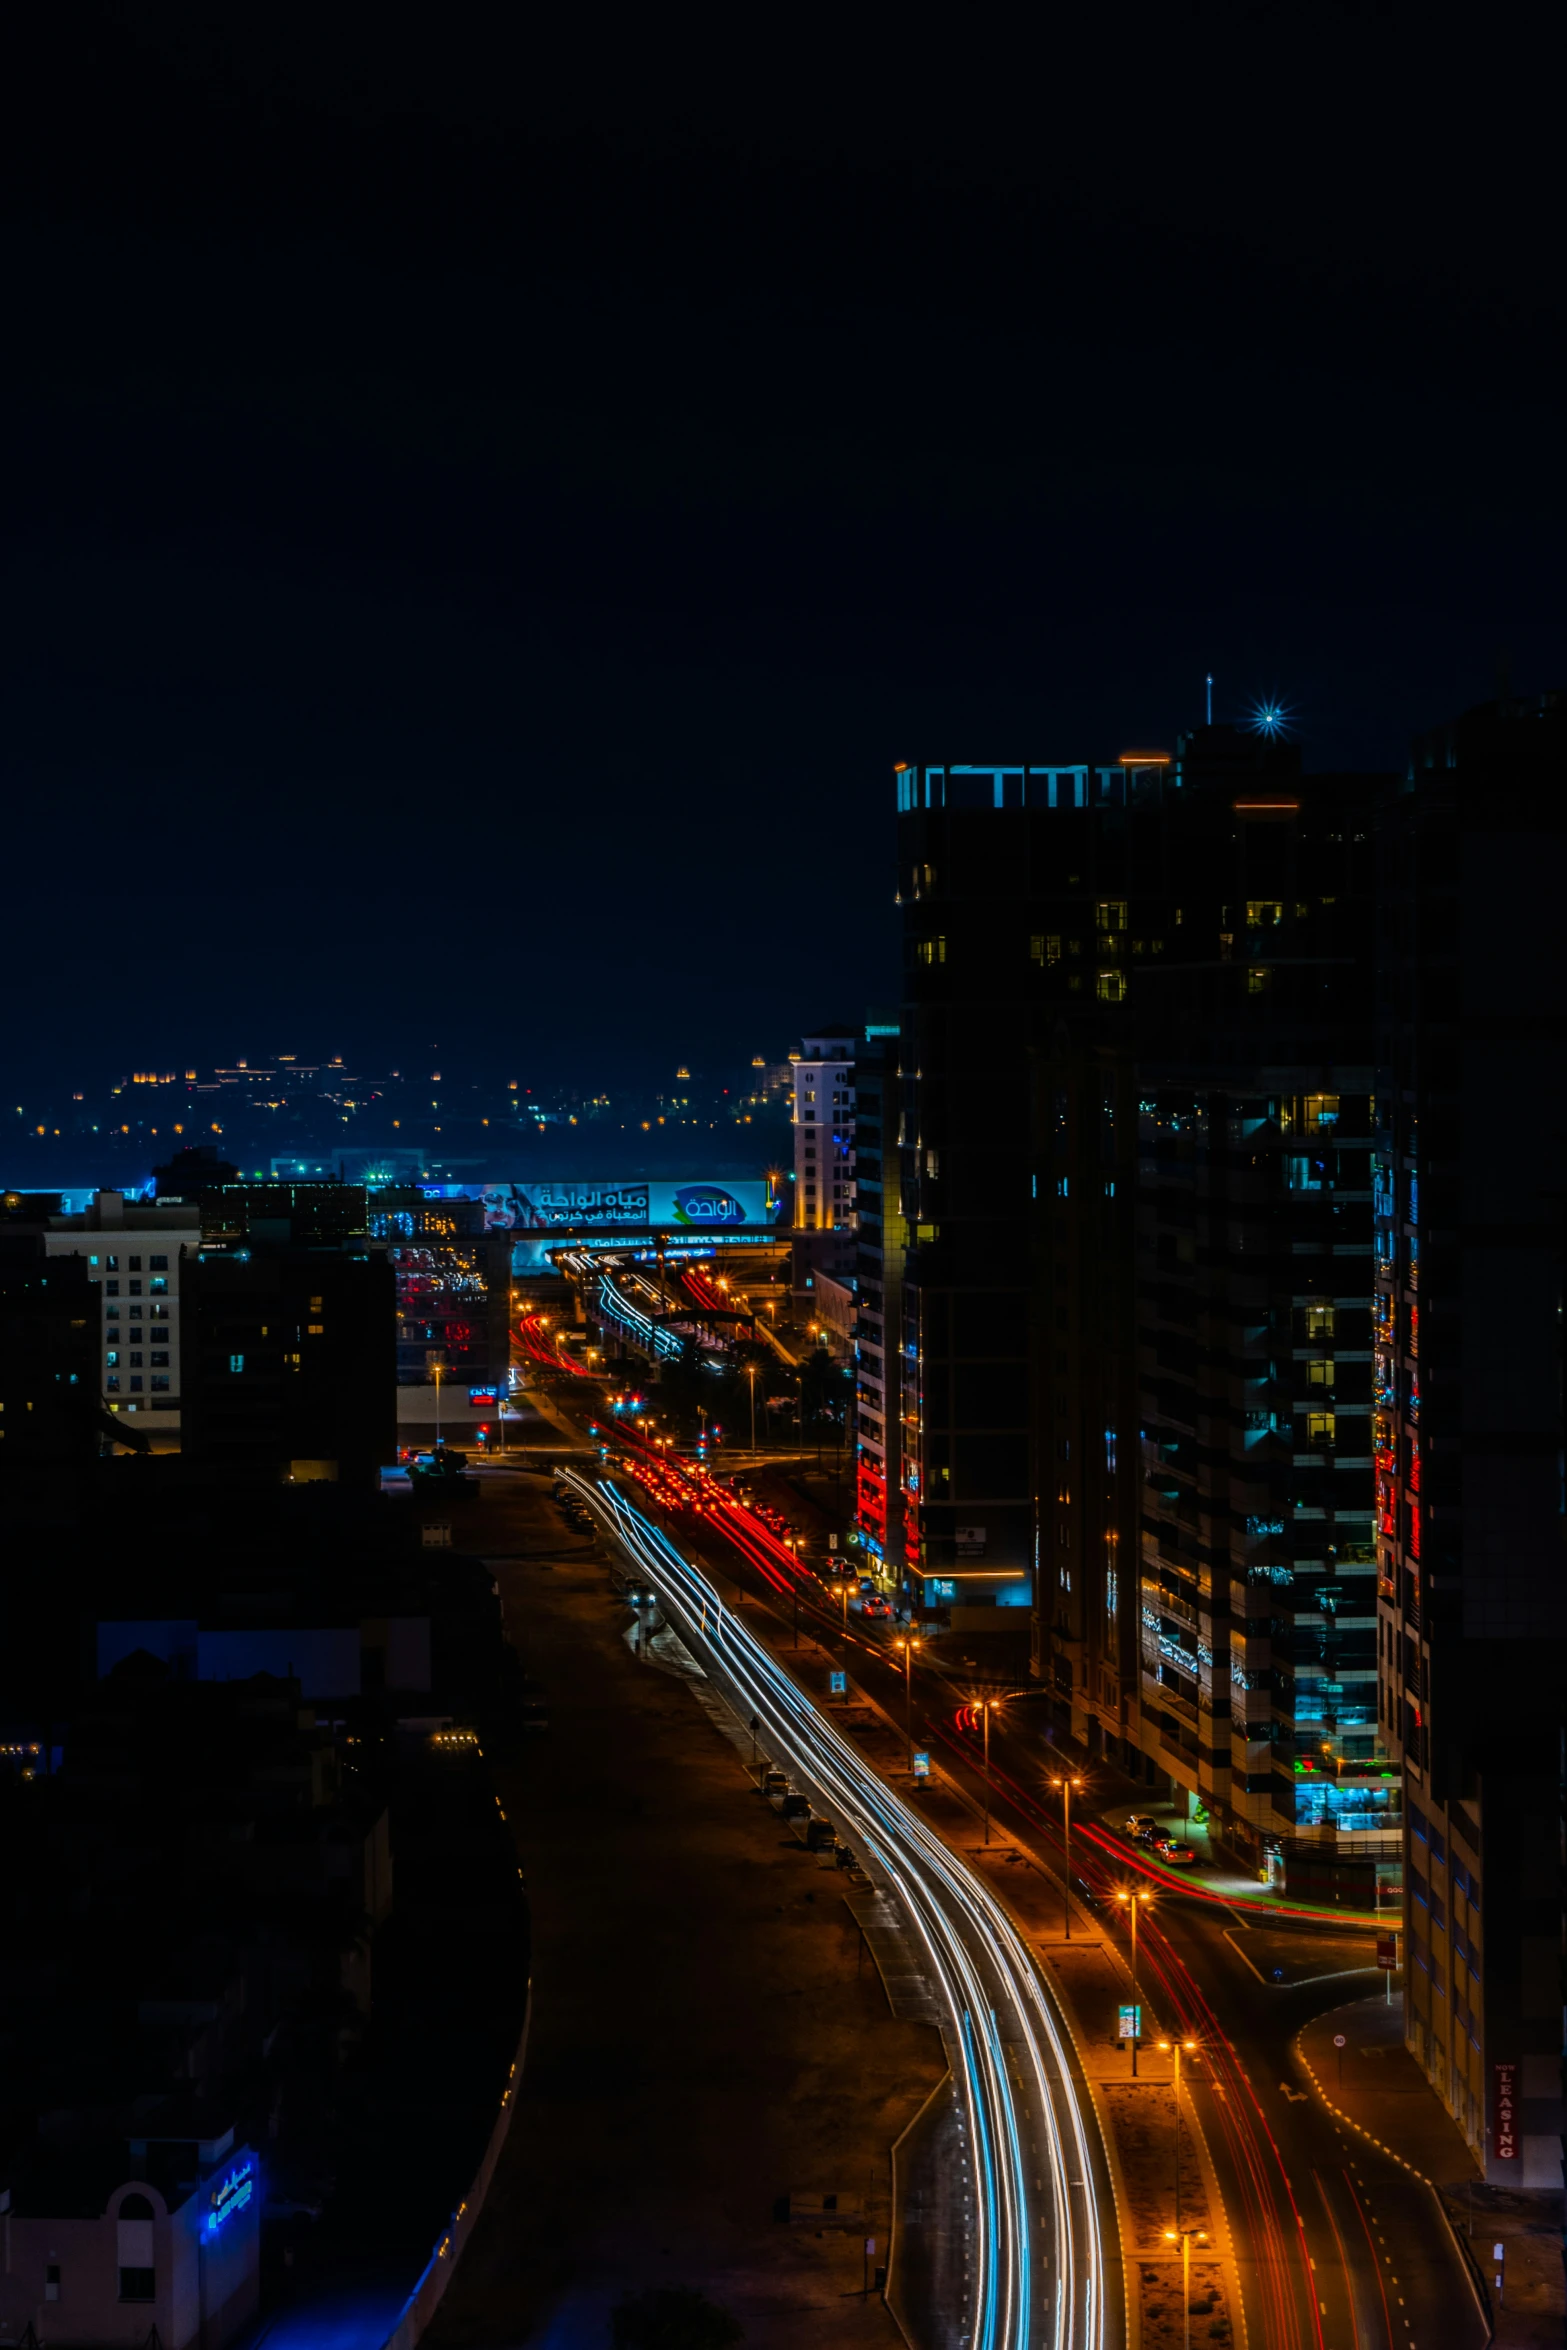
[(1387, 1950), (1504, 2130)]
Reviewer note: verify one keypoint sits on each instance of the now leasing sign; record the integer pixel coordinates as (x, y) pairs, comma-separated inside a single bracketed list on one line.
[(1504, 2113)]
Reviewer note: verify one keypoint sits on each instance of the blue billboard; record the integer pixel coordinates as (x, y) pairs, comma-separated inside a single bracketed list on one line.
[(630, 1206)]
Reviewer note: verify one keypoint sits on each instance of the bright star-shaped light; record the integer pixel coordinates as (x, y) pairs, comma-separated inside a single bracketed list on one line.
[(1270, 715)]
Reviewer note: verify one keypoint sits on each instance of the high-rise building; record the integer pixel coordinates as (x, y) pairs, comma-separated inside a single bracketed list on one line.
[(1136, 1167), (1205, 1205), (881, 1238), (1467, 1372), (823, 1112)]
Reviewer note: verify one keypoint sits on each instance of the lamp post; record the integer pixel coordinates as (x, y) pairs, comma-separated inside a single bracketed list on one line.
[(987, 1706), (1187, 2237), (1068, 1787), (437, 1370), (750, 1373), (1133, 1901), (1175, 2048), (908, 1643)]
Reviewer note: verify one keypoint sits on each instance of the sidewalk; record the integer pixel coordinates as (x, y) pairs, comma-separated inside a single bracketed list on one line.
[(1379, 2089)]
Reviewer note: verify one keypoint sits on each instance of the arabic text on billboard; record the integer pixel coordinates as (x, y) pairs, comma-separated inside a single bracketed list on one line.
[(624, 1207)]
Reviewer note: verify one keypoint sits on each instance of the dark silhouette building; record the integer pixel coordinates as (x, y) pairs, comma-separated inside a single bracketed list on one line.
[(49, 1407), (1471, 1175), (881, 1238), (291, 1361)]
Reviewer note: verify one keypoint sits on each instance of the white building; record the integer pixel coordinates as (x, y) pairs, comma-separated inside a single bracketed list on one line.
[(824, 1132), (132, 1248)]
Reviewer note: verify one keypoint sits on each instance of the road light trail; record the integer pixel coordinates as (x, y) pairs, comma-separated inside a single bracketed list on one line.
[(983, 1976)]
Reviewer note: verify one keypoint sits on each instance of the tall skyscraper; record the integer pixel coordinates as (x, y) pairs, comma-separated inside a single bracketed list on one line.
[(1137, 1305), (1471, 1177)]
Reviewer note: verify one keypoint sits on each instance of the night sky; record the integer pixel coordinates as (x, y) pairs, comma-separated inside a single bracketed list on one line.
[(486, 507)]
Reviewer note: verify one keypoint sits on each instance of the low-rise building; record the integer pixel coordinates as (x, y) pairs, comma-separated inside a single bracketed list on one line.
[(134, 2239)]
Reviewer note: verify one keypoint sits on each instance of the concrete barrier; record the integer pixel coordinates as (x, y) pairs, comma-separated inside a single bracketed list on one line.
[(426, 2297)]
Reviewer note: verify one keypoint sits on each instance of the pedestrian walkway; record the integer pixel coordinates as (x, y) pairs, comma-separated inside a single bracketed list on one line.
[(1375, 2084)]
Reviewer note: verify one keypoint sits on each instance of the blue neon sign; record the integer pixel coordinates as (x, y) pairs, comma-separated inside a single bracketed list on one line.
[(231, 2194)]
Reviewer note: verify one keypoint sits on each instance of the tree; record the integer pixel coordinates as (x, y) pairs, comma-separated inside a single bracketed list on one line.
[(673, 2317)]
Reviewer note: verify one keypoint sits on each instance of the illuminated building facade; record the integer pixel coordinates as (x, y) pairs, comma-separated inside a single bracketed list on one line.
[(452, 1272), (881, 1240), (1205, 1608), (1470, 1178), (134, 1251), (824, 1115)]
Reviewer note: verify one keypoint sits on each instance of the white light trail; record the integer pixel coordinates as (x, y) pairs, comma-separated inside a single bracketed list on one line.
[(982, 1973)]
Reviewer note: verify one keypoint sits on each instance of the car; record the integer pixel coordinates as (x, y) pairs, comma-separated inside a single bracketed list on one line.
[(1137, 1823), (1174, 1855), (1151, 1835), (875, 1605)]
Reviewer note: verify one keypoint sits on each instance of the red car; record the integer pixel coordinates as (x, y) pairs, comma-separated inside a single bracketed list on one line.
[(875, 1606)]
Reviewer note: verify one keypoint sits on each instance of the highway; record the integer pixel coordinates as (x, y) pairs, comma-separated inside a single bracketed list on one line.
[(1041, 2271)]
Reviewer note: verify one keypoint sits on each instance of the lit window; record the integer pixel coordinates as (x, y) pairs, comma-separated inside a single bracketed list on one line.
[(1045, 949), (1258, 979), (1320, 1427), (932, 950), (1320, 1321), (236, 1363), (1320, 1374), (1263, 913), (112, 1358), (315, 1329), (1320, 1112), (1110, 914), (1110, 986)]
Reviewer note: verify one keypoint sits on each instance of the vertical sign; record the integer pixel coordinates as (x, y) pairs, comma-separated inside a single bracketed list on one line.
[(838, 1684), (1130, 2021), (921, 1764), (1504, 2132), (1387, 1950)]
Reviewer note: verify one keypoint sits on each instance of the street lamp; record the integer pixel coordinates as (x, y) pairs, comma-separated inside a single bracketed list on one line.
[(750, 1373), (1132, 1901), (1069, 1787), (1175, 2049), (908, 1643), (436, 1368), (840, 1590), (987, 1706), (1187, 2237)]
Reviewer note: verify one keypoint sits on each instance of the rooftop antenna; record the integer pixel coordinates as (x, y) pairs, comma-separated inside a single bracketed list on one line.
[(1210, 698)]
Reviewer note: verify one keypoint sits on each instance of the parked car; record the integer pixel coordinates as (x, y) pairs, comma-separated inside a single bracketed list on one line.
[(775, 1783), (796, 1807), (1137, 1823), (820, 1836), (1151, 1835)]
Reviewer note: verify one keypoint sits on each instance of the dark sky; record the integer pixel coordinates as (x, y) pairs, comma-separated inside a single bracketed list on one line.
[(486, 506)]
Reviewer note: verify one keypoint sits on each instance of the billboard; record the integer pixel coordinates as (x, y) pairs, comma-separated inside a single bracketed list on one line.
[(629, 1207)]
